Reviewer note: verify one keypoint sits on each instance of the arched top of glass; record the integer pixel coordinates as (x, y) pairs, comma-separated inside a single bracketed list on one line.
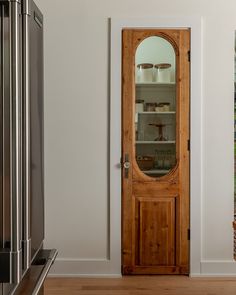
[(155, 106), (156, 50)]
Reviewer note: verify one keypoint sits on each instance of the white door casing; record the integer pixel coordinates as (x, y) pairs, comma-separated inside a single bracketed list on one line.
[(195, 25)]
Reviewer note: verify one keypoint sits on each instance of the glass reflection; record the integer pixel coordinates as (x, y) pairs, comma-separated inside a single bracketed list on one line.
[(155, 106)]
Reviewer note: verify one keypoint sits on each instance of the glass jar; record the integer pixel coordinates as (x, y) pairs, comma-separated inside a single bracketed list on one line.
[(163, 107), (151, 106)]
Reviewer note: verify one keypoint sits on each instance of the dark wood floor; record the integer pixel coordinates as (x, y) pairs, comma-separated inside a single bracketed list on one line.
[(141, 285)]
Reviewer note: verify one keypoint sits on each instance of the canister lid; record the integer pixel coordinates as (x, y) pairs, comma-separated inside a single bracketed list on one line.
[(145, 66), (163, 66)]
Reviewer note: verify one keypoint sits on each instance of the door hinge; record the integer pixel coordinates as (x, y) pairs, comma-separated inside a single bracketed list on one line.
[(188, 234), (189, 56), (188, 144)]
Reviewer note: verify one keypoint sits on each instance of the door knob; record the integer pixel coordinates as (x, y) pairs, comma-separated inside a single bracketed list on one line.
[(126, 165)]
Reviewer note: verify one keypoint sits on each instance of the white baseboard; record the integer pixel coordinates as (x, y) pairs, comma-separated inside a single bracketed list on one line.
[(220, 268), (101, 276), (103, 268), (84, 268)]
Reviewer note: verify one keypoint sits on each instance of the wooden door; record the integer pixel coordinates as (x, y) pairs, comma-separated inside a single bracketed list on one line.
[(155, 202)]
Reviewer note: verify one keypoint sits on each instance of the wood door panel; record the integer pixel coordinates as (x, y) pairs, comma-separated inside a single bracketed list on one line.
[(157, 232), (155, 211)]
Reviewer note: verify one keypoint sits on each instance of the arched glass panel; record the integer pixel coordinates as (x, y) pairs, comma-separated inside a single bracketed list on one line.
[(155, 106)]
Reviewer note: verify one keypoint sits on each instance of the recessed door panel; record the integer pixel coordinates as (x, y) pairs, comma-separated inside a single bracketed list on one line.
[(155, 155), (157, 231)]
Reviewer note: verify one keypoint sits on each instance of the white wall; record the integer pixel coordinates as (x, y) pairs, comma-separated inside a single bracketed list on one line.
[(76, 125)]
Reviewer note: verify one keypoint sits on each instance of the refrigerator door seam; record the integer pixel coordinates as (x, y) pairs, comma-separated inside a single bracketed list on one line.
[(15, 151)]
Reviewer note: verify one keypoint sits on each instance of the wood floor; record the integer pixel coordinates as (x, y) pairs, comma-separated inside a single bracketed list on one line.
[(141, 285)]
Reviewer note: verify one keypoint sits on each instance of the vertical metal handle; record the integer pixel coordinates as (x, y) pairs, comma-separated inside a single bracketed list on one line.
[(26, 139), (126, 165), (15, 140)]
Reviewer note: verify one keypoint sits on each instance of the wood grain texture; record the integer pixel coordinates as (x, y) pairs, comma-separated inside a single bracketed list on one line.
[(138, 255), (140, 285), (157, 232)]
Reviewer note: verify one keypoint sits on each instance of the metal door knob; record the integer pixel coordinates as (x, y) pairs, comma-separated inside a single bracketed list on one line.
[(126, 165)]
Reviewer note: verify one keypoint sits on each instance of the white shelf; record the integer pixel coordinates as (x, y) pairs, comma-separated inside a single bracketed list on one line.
[(171, 84), (157, 113), (155, 142), (155, 171)]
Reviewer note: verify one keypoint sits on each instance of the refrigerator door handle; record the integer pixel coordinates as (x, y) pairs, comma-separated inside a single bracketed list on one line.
[(26, 141), (15, 142)]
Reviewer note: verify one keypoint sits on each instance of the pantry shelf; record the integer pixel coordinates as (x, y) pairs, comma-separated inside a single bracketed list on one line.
[(157, 113), (153, 84), (155, 171), (155, 142)]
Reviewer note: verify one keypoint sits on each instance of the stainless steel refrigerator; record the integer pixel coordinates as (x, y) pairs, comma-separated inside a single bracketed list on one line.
[(24, 263)]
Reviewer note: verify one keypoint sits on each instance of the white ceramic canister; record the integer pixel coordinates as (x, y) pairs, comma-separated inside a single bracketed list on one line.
[(145, 73), (162, 73), (139, 106)]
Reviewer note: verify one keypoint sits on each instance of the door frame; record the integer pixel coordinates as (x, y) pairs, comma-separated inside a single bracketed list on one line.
[(195, 25)]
